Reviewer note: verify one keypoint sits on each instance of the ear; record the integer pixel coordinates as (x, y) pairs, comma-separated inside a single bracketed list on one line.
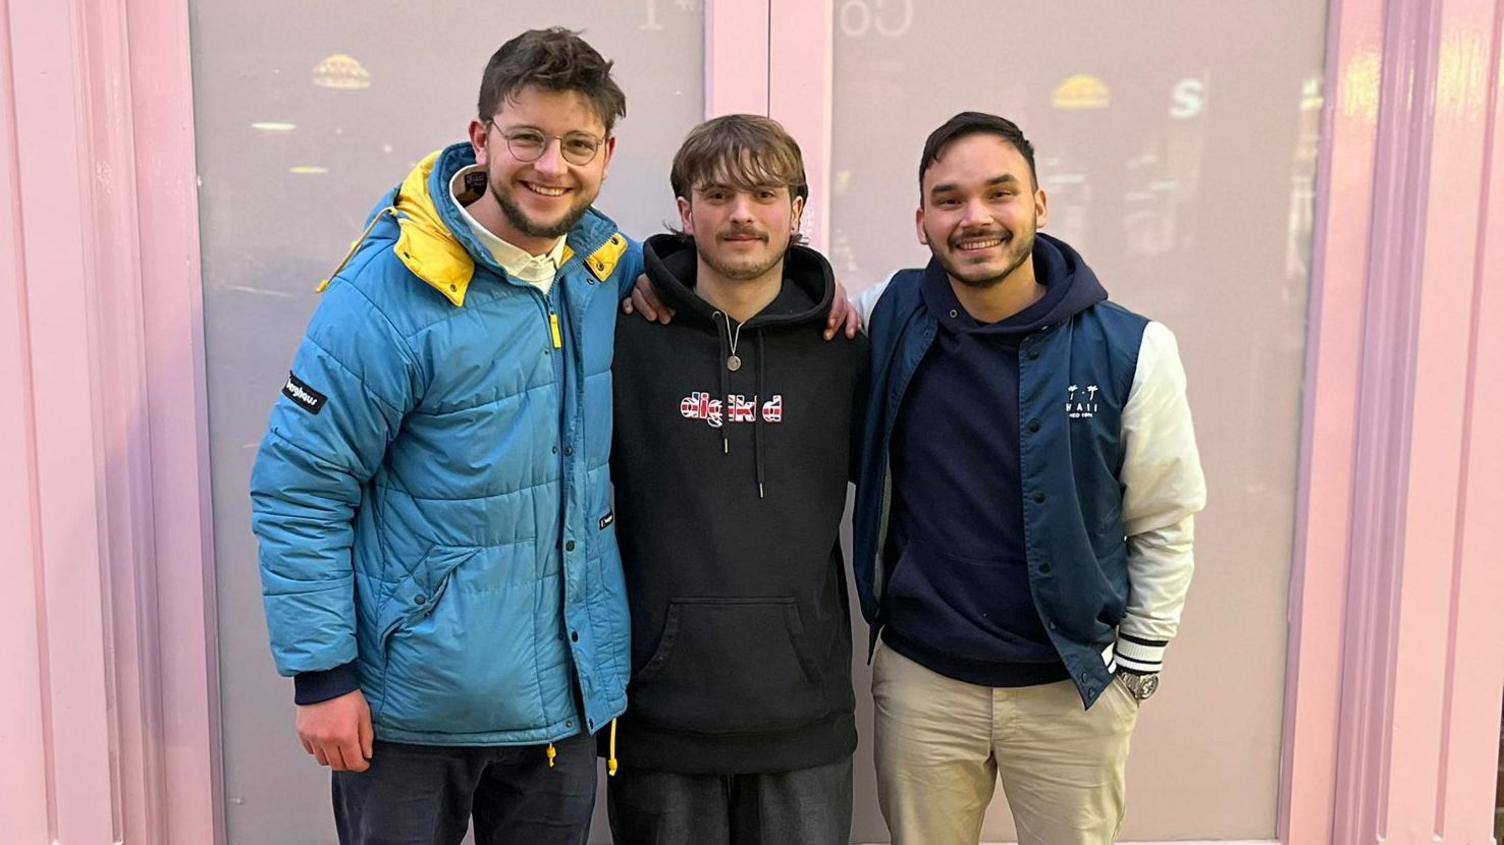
[(796, 215), (607, 152), (919, 226), (1041, 209), (686, 219), (478, 136)]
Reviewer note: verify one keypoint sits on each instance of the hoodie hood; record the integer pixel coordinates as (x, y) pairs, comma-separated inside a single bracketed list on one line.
[(808, 284), (671, 264), (1070, 288)]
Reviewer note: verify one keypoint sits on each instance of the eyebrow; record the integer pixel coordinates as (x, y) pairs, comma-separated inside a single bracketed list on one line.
[(528, 127), (1005, 179), (726, 186)]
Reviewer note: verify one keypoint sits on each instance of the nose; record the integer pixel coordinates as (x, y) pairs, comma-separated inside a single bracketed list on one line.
[(551, 163), (741, 207), (975, 213)]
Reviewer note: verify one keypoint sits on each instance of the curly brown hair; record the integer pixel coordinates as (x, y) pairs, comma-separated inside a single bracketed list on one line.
[(553, 59)]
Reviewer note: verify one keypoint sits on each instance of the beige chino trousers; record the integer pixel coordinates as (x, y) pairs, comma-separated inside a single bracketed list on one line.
[(941, 744)]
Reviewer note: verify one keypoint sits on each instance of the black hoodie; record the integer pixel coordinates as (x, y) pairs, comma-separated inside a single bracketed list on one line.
[(728, 524)]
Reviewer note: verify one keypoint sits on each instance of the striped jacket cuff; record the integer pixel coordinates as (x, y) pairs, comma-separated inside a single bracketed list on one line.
[(1139, 655)]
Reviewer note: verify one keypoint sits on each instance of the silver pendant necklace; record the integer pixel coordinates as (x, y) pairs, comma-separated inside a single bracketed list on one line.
[(733, 362)]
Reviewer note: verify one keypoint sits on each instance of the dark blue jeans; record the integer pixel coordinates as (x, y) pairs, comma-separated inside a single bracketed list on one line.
[(426, 795), (802, 807)]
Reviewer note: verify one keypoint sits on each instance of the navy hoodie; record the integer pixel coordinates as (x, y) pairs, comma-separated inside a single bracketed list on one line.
[(959, 601), (730, 487)]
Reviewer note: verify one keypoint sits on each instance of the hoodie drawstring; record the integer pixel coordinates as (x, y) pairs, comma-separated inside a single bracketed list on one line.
[(757, 416), (722, 332), (728, 362)]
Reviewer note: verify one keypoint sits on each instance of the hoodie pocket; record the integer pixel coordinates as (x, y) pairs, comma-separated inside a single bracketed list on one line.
[(729, 665)]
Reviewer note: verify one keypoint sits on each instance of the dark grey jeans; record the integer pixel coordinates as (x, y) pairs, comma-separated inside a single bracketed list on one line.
[(802, 807), (425, 795)]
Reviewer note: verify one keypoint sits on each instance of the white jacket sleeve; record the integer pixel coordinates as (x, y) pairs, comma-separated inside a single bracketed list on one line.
[(867, 300), (1163, 489)]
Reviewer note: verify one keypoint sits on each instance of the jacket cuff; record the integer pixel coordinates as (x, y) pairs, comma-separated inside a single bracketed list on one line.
[(313, 687), (1138, 655)]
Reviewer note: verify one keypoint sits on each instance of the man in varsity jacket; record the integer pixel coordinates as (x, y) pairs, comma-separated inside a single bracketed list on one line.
[(731, 458), (1028, 478)]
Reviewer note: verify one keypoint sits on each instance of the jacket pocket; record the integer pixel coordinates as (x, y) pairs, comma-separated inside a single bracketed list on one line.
[(463, 659), (729, 665)]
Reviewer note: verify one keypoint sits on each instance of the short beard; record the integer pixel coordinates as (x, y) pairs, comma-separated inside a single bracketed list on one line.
[(993, 281), (527, 226), (739, 274)]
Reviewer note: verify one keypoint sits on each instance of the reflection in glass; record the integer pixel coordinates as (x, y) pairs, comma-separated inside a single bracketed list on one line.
[(1185, 177)]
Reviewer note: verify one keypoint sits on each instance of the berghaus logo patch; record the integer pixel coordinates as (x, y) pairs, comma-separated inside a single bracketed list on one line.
[(606, 520), (306, 397)]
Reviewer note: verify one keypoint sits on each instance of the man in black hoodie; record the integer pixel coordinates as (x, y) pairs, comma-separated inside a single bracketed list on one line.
[(740, 727)]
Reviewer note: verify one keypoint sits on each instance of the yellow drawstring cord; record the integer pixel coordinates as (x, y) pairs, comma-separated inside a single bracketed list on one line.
[(611, 754), (324, 284), (610, 760)]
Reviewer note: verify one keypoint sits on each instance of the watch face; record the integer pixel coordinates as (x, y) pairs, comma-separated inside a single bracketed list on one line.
[(1147, 684)]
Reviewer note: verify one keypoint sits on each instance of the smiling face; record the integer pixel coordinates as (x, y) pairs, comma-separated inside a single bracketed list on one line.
[(740, 233), (533, 203), (979, 210)]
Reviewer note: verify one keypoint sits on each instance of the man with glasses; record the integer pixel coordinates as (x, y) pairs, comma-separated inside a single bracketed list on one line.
[(439, 565)]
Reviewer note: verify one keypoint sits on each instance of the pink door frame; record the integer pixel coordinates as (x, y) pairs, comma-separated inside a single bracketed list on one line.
[(110, 721), (1395, 674), (1395, 670)]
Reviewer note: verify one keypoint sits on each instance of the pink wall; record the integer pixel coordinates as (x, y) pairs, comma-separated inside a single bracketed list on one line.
[(109, 721), (1396, 668)]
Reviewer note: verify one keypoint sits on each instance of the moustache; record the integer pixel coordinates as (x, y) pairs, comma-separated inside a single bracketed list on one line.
[(738, 234)]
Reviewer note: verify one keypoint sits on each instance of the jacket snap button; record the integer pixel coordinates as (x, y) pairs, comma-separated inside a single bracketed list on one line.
[(1045, 568), (453, 287), (569, 546), (1052, 626), (419, 599), (568, 723), (1033, 354), (1033, 425), (569, 450), (1039, 498), (574, 636), (953, 313)]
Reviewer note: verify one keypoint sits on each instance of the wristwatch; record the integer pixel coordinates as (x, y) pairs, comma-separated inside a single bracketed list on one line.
[(1141, 686)]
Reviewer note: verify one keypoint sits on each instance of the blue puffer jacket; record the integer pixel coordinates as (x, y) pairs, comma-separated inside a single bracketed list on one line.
[(432, 495)]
